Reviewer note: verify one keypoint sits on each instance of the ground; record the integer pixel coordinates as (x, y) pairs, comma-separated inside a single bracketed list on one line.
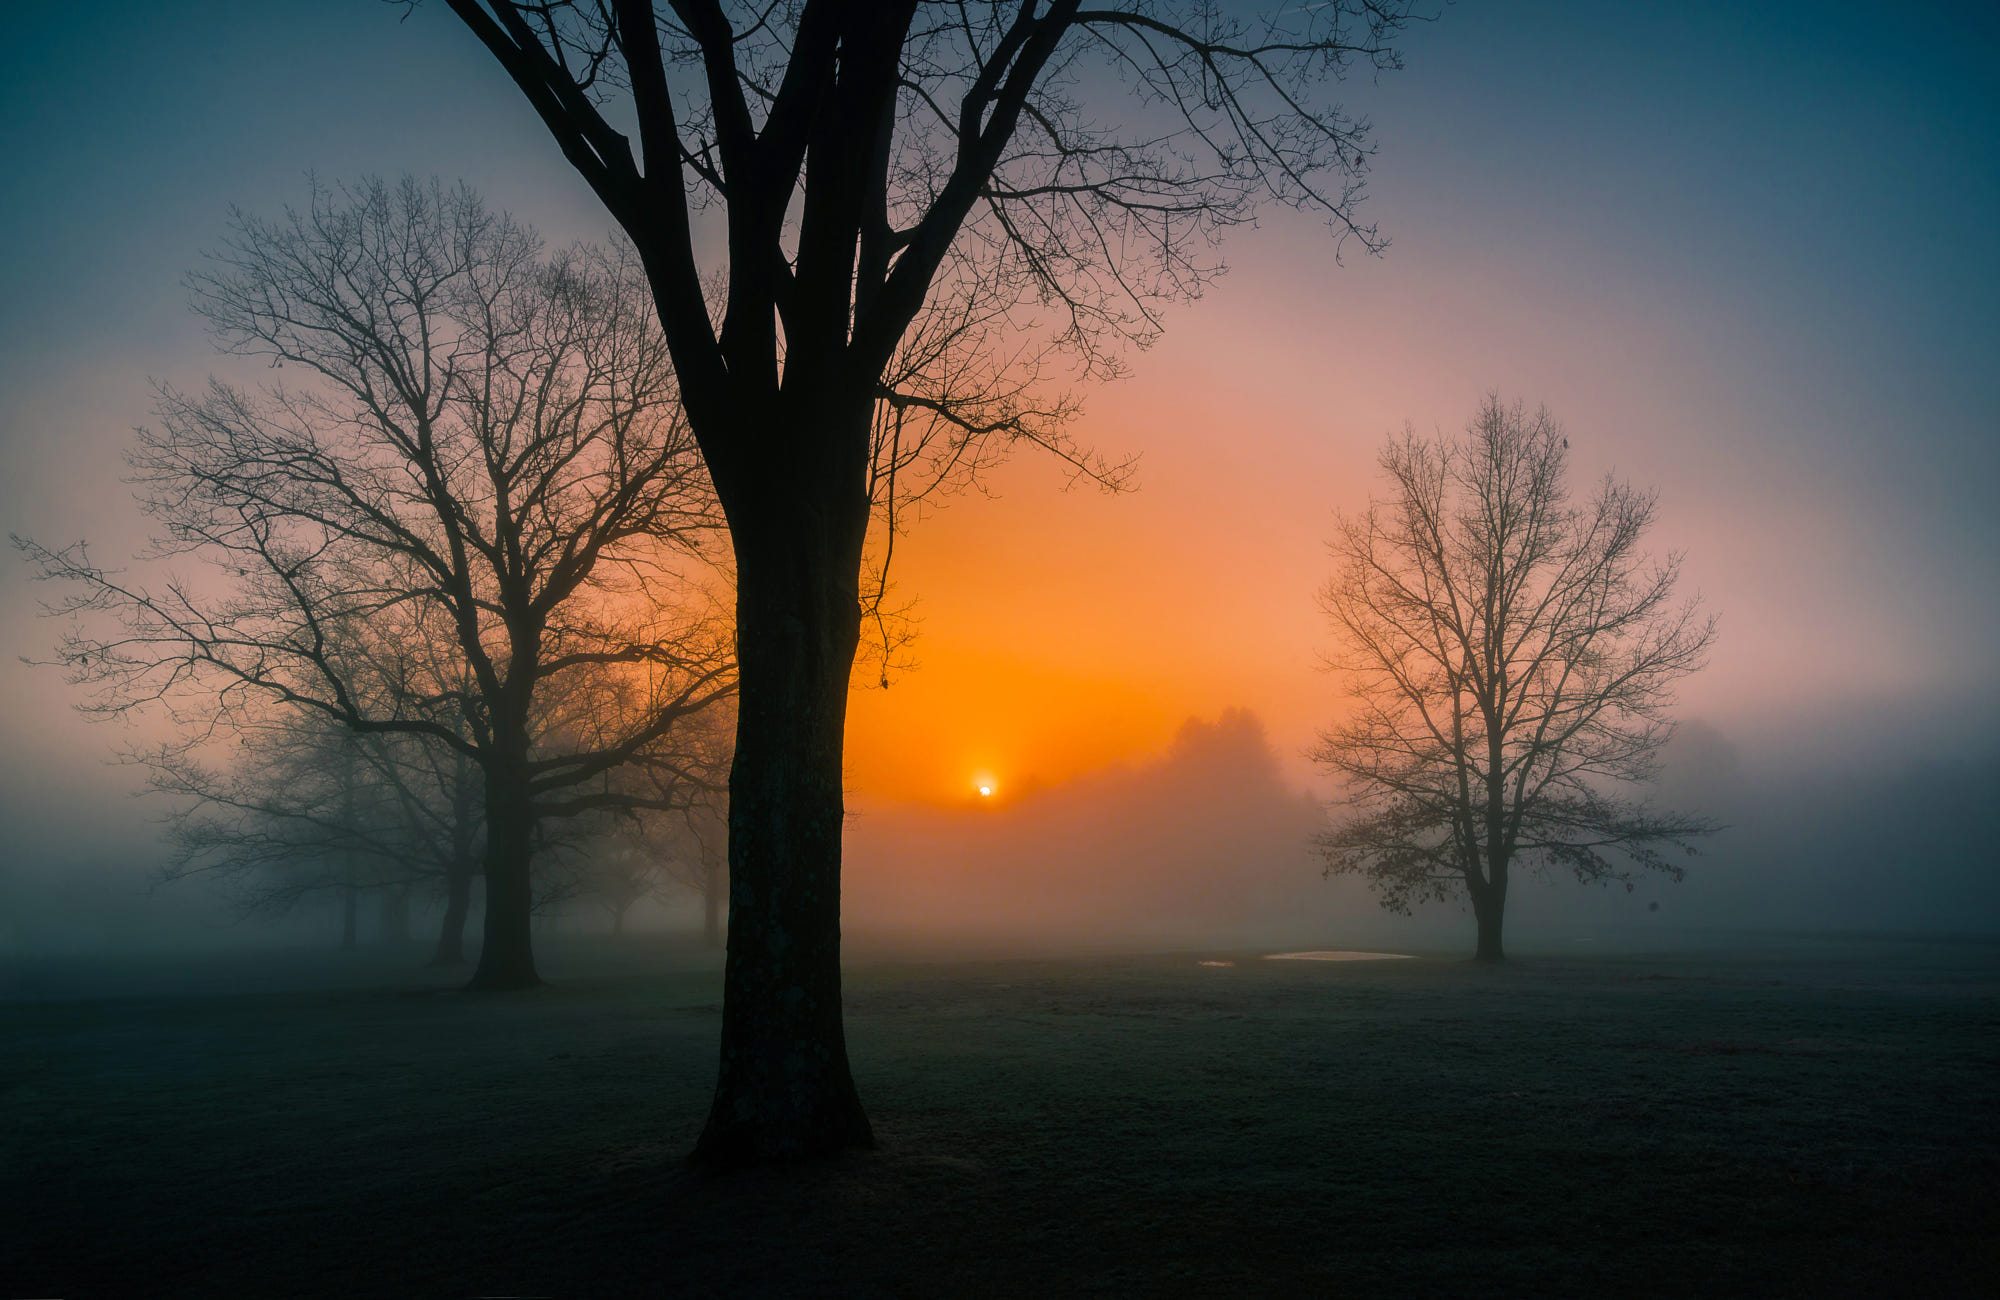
[(1784, 1118)]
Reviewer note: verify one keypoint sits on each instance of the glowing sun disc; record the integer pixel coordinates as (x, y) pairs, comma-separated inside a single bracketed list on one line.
[(985, 792)]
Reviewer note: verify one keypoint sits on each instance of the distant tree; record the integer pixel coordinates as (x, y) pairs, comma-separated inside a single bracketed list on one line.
[(651, 855), (295, 807), (680, 830), (482, 488), (911, 196), (1511, 658), (668, 832)]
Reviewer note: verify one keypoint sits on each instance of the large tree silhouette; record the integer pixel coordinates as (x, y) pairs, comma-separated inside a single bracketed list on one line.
[(879, 168), (1511, 656), (478, 497)]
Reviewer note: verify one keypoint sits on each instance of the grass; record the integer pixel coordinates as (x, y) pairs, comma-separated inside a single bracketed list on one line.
[(1816, 1119)]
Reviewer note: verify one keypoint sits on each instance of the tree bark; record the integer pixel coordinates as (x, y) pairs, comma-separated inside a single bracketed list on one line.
[(783, 1091), (507, 955)]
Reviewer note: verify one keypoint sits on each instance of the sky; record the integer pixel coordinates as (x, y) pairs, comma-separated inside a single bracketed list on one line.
[(1744, 253)]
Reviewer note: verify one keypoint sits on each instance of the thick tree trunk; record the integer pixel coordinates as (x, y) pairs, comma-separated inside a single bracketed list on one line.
[(507, 955), (1489, 908), (457, 905), (783, 1091), (1489, 933)]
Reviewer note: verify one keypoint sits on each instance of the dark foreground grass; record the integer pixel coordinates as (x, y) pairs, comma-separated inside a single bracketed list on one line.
[(1806, 1121)]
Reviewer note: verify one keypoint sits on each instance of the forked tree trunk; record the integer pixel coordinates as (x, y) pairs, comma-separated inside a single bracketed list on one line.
[(507, 954), (783, 1091)]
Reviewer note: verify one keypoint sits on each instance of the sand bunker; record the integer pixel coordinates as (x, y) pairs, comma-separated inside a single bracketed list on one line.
[(1337, 956)]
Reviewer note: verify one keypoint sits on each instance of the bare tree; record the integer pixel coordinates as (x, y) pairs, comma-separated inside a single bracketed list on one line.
[(665, 831), (656, 855), (295, 819), (293, 806), (680, 828), (483, 488), (875, 162), (1511, 658)]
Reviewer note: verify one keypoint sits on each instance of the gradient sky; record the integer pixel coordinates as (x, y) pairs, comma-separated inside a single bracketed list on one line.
[(1746, 253)]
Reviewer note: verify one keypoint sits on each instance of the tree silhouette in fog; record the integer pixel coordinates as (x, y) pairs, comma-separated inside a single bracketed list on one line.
[(661, 832), (881, 168), (300, 807), (478, 507), (1511, 657)]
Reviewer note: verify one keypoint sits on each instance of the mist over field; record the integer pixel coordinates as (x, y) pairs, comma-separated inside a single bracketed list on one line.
[(1206, 845), (722, 649)]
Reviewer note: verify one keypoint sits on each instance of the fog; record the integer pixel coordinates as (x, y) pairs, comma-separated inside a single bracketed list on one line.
[(1204, 846), (1645, 217), (1209, 846)]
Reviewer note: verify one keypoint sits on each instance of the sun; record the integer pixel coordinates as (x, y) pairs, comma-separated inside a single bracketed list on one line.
[(985, 792), (985, 784)]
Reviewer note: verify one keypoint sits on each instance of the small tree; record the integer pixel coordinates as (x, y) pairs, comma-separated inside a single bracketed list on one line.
[(1511, 658)]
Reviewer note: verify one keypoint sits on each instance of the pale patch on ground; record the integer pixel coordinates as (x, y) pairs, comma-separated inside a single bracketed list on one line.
[(1337, 955)]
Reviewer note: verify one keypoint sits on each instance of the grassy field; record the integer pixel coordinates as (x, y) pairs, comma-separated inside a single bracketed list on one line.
[(1795, 1119)]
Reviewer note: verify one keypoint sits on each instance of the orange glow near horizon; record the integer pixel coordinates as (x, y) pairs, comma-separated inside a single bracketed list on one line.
[(1062, 632), (944, 733)]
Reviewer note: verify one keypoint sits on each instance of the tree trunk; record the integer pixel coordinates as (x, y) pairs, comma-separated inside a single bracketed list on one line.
[(783, 1091), (457, 905), (507, 955), (1489, 907), (465, 819), (1489, 934), (350, 929)]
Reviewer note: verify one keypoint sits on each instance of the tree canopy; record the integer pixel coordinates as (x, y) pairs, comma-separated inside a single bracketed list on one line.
[(1510, 655)]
